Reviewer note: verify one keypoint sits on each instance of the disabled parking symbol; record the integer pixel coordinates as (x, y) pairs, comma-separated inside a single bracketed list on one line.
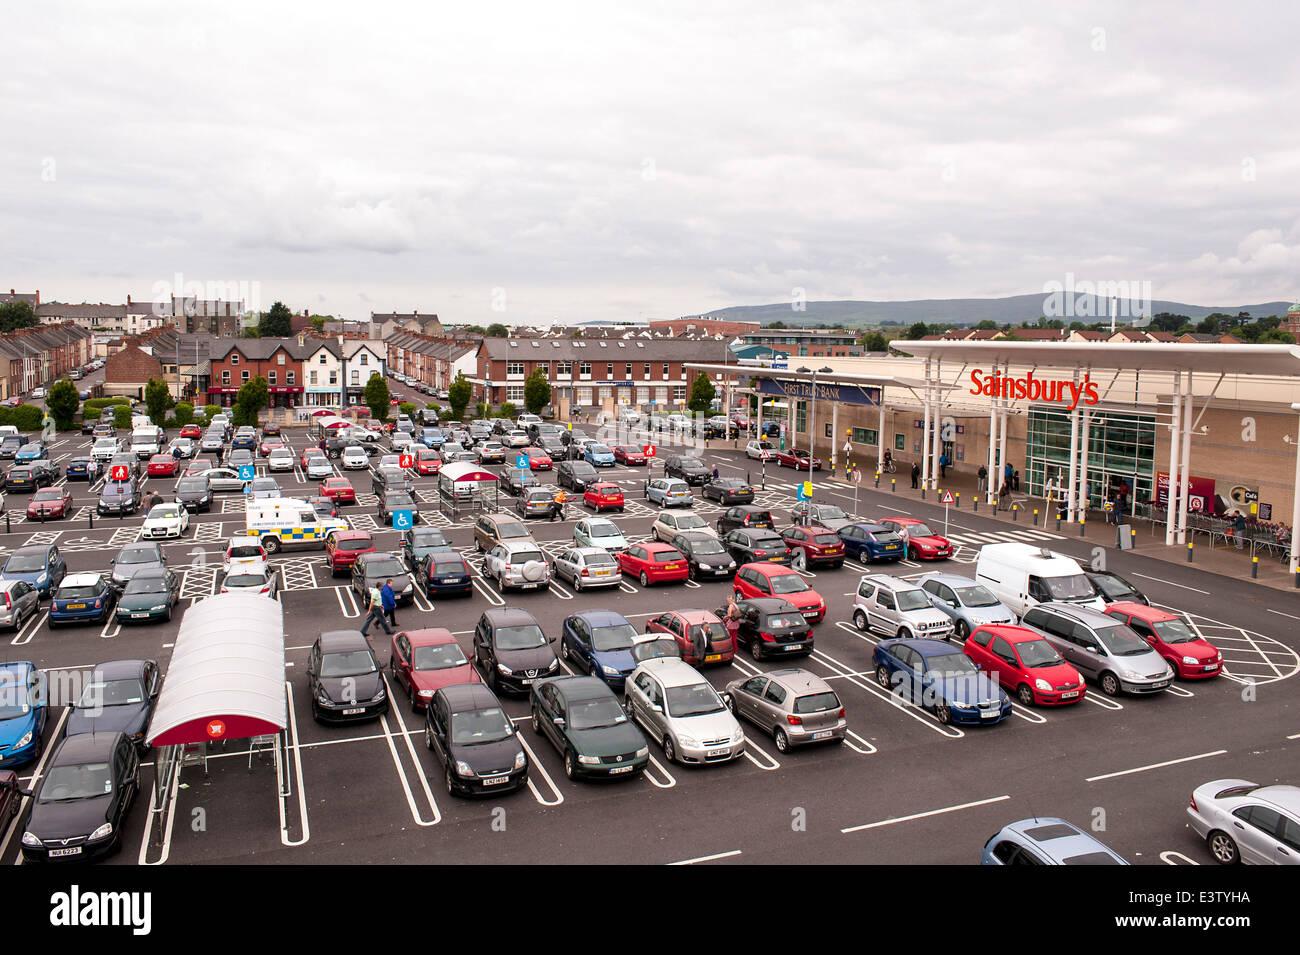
[(403, 520), (521, 462), (247, 472)]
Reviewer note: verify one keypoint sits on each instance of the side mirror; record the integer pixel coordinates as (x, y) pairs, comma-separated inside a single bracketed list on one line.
[(656, 707), (1094, 650)]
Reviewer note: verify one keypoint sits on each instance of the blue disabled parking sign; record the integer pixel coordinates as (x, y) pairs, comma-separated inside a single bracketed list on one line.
[(403, 520), (521, 462), (247, 472), (803, 492)]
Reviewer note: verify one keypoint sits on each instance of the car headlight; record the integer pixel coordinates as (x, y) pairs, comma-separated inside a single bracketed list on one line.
[(520, 760), (24, 741), (553, 665), (1191, 661), (103, 832), (426, 694), (158, 607), (379, 695), (609, 671), (1042, 685), (42, 578), (643, 752), (463, 769), (322, 695), (502, 668), (589, 760), (688, 740), (1169, 671), (31, 840), (738, 736)]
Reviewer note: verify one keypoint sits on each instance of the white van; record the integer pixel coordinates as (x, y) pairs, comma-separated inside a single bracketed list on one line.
[(139, 421), (1022, 575), (7, 429), (146, 441), (280, 522)]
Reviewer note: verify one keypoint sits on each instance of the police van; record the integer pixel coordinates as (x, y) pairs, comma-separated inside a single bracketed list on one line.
[(283, 522)]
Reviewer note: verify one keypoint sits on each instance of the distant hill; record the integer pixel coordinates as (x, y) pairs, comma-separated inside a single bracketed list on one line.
[(970, 311)]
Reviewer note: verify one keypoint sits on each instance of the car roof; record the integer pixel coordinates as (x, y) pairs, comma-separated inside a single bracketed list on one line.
[(774, 570), (600, 618), (1283, 796), (1011, 633), (337, 640), (672, 671), (885, 580), (32, 549), (117, 669), (85, 746), (508, 616), (925, 647), (697, 616), (517, 544), (810, 528), (868, 526), (429, 636), (581, 687), (1142, 611), (798, 680), (1056, 837), (461, 697), (952, 580), (771, 604), (1082, 614), (656, 547), (81, 580)]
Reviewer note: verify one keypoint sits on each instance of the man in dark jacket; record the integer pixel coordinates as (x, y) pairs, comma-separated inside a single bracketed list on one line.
[(916, 475)]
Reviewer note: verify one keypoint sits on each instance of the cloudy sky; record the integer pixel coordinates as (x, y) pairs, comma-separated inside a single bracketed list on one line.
[(535, 162)]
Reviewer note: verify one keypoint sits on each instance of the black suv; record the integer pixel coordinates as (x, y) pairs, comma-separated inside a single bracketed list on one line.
[(687, 467), (745, 515), (576, 475), (510, 638)]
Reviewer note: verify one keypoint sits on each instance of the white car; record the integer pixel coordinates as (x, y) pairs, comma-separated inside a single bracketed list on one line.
[(519, 564), (599, 532), (516, 439), (280, 459), (401, 440), (243, 550), (671, 523), (318, 466), (759, 450), (1242, 821), (105, 448), (38, 392), (165, 520), (185, 446), (681, 709), (389, 461), (355, 458)]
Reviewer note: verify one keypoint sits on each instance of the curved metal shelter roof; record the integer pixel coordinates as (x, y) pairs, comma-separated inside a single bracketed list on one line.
[(1277, 360), (226, 678), (464, 471)]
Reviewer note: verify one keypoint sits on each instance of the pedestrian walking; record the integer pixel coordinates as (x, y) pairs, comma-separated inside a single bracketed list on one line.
[(916, 475), (983, 475), (376, 613), (1239, 529), (699, 644), (557, 506), (388, 599), (943, 466), (1004, 495), (715, 472), (1015, 480)]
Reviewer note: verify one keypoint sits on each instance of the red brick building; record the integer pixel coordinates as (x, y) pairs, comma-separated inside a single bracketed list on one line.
[(278, 360)]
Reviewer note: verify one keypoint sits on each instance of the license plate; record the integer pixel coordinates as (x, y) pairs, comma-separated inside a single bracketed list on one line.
[(72, 851), (774, 558), (139, 616), (530, 586), (527, 682), (1069, 696), (1212, 666), (1159, 686), (672, 566), (811, 613), (355, 711), (824, 734), (794, 646), (713, 658), (496, 780), (620, 769), (891, 547), (994, 714), (714, 753), (74, 606)]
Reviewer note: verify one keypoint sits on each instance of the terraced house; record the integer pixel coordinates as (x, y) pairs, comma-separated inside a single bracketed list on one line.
[(278, 360), (434, 361), (39, 356)]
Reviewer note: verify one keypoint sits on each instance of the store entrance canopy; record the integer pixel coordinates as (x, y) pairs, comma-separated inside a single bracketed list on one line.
[(226, 678)]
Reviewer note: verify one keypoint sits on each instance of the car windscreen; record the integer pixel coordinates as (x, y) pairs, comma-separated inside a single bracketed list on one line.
[(592, 714), (347, 663), (25, 563), (1112, 586), (164, 512), (428, 537), (48, 494), (111, 693), (920, 530), (583, 469), (1038, 653), (652, 649), (238, 551), (977, 596), (137, 555), (509, 530), (1069, 587), (76, 781), (15, 701), (788, 584), (145, 583), (616, 637), (689, 522), (1121, 641), (912, 600), (442, 656), (950, 664), (816, 702), (1174, 631), (603, 529), (523, 637), (68, 592), (706, 546), (693, 700), (480, 726)]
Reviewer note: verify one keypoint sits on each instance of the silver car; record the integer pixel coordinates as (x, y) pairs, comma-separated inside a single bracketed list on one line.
[(251, 577), (517, 564), (318, 466), (21, 601), (1100, 647), (280, 459), (1242, 821), (669, 492), (968, 604), (585, 567), (681, 709), (897, 608), (793, 705), (224, 479), (670, 523)]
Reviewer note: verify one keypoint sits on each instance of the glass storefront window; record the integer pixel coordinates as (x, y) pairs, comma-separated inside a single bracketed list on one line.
[(1121, 447)]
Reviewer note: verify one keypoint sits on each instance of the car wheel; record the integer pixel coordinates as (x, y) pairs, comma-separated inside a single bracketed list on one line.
[(569, 769), (963, 630), (577, 583), (1223, 848), (882, 677), (428, 736), (272, 545), (564, 650), (943, 714), (690, 571), (1110, 684), (782, 741), (903, 634), (645, 581), (756, 648), (670, 752), (1025, 694), (860, 620), (450, 790), (169, 612)]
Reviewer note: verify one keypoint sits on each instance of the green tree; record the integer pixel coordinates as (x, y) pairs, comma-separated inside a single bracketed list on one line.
[(777, 324), (276, 323), (407, 408), (482, 408), (986, 326), (17, 315), (875, 342), (497, 330), (377, 397), (184, 413), (508, 410), (460, 392), (475, 330), (537, 392), (318, 322), (917, 331), (157, 399), (63, 402), (251, 399), (1279, 336), (702, 393), (211, 411), (121, 417)]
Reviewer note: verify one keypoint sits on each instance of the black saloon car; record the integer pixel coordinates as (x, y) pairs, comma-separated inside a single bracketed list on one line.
[(343, 679), (475, 741)]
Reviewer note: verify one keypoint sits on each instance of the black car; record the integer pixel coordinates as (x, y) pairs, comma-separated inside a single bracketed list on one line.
[(704, 553), (475, 741), (118, 497), (576, 475), (10, 444), (79, 806), (516, 480), (194, 494), (27, 477), (119, 698), (391, 477), (444, 572), (689, 468), (584, 720), (772, 627), (343, 678), (132, 559), (420, 541), (553, 446), (511, 650), (572, 440), (1111, 587), (728, 490), (373, 569), (397, 499), (745, 515), (88, 425), (755, 545)]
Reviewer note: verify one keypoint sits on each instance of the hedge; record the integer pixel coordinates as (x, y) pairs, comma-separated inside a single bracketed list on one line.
[(122, 416), (23, 417), (97, 405)]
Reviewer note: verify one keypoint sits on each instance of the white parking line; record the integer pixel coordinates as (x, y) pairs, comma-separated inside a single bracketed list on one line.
[(296, 749), (351, 603), (395, 712), (923, 815), (669, 780), (24, 636), (1280, 613), (1168, 856), (712, 858), (768, 762), (1143, 769), (903, 706), (1172, 584), (37, 770)]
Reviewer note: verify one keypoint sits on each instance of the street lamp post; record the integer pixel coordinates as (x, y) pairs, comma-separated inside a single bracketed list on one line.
[(812, 422)]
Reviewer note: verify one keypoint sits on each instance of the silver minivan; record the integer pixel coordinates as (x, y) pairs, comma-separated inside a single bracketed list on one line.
[(1101, 648)]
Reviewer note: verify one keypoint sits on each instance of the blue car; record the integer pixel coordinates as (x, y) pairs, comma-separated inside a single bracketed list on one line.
[(868, 542), (244, 442), (432, 438), (598, 455), (82, 469), (1046, 840), (22, 713), (41, 565), (600, 643), (937, 676), (81, 598), (31, 452)]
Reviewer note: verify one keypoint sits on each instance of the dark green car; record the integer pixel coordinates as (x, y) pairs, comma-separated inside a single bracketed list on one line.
[(149, 595), (420, 542), (584, 720)]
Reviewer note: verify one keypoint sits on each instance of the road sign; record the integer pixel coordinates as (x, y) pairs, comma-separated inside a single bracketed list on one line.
[(406, 460), (119, 472), (847, 447), (247, 472), (403, 520), (856, 475), (804, 491), (521, 462), (648, 450), (946, 498)]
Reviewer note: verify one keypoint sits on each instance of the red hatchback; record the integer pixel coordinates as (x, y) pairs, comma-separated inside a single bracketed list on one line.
[(774, 580), (50, 502), (192, 431), (820, 545), (422, 662), (428, 461), (1026, 665), (342, 548), (603, 495), (681, 624), (339, 490), (795, 458), (654, 563), (538, 460), (1191, 656), (162, 465), (629, 454), (922, 543)]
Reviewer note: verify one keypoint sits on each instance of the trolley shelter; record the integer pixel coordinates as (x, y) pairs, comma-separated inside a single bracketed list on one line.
[(466, 487), (226, 681)]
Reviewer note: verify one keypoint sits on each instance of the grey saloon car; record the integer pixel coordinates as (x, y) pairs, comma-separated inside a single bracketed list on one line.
[(966, 603)]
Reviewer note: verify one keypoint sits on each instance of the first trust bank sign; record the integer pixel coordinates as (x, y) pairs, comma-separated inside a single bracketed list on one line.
[(1061, 390), (803, 390)]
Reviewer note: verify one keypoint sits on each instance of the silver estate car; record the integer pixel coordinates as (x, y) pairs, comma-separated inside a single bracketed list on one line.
[(1242, 821), (794, 706), (1100, 648), (681, 709)]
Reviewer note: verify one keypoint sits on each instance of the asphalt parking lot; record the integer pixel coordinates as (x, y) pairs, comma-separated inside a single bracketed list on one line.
[(901, 789)]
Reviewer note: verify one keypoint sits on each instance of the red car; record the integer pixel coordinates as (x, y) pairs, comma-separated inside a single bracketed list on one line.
[(422, 662), (192, 431), (197, 466), (1027, 666), (342, 548), (603, 494), (775, 580), (428, 461), (269, 445), (538, 460), (795, 458), (49, 502), (681, 624), (654, 563), (922, 543), (820, 545), (339, 490), (1192, 657), (629, 454), (162, 465)]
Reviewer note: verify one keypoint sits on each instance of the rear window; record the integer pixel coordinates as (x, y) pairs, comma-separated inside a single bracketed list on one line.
[(76, 593), (246, 550), (448, 567), (523, 556), (357, 543), (784, 621), (667, 557), (826, 538), (817, 703)]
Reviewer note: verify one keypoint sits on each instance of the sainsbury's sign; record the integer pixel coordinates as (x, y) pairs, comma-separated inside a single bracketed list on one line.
[(1060, 390)]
